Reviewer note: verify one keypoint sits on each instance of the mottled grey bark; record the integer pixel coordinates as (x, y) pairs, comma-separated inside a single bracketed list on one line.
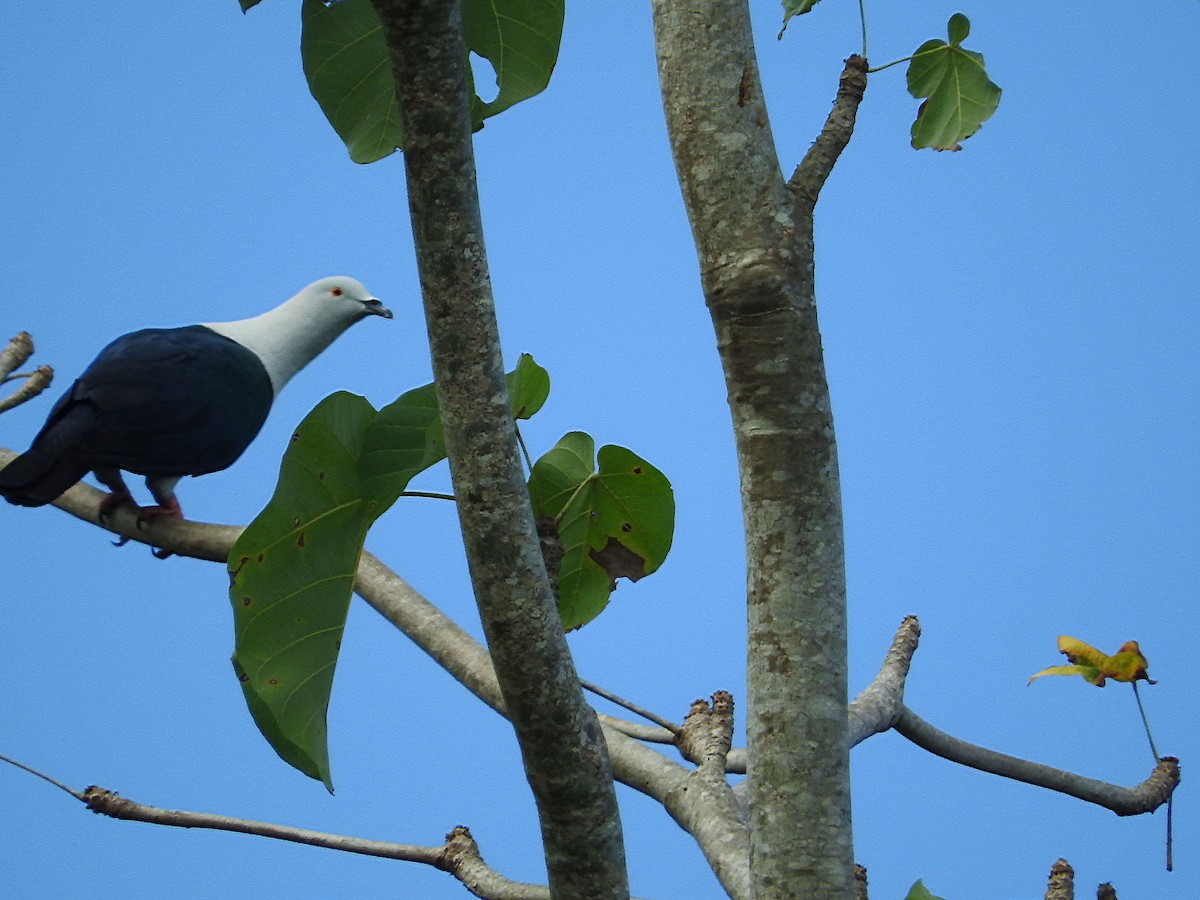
[(563, 750), (754, 237)]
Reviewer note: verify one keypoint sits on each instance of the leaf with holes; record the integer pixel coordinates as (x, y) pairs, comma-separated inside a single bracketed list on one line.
[(349, 72), (959, 96), (614, 522), (292, 570)]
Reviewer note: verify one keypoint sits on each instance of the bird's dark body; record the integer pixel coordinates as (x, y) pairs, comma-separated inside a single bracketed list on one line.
[(160, 402)]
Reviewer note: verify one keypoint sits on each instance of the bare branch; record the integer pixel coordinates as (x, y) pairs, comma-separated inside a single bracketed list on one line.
[(35, 382), (632, 707), (878, 706), (860, 882), (703, 814), (815, 168), (42, 775), (459, 855), (707, 735), (15, 352), (1061, 884), (1143, 798)]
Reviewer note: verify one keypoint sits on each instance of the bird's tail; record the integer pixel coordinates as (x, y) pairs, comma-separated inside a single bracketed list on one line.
[(37, 477)]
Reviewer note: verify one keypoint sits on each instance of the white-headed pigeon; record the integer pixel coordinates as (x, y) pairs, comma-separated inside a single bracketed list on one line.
[(170, 402)]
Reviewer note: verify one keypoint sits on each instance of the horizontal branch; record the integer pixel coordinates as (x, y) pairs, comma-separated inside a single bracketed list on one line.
[(459, 855), (1124, 801), (701, 813)]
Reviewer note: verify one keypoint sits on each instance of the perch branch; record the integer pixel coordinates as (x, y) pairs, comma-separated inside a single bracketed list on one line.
[(467, 661), (1143, 798)]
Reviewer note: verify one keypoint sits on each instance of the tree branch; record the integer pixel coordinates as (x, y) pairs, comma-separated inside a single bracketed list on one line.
[(876, 709), (1145, 797), (561, 742), (459, 855), (818, 162), (720, 834), (14, 354), (18, 349)]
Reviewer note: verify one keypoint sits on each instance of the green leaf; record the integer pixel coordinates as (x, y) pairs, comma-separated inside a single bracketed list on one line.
[(350, 74), (292, 570), (246, 4), (958, 28), (959, 95), (614, 522), (528, 387), (919, 892), (520, 38), (795, 8)]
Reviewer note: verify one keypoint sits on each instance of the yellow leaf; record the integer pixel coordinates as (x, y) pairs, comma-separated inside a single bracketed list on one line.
[(1127, 664), (1088, 672), (1079, 652)]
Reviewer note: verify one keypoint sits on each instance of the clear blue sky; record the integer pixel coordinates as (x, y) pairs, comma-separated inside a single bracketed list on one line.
[(1011, 338)]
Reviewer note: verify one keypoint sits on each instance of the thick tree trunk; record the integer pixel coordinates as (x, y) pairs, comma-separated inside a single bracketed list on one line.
[(563, 749), (754, 237)]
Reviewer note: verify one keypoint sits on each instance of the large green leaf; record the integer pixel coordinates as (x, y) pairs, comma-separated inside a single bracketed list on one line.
[(292, 570), (959, 95), (614, 522), (349, 73), (350, 76)]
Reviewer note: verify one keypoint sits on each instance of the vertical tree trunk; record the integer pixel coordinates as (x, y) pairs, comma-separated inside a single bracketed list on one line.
[(755, 243), (563, 749)]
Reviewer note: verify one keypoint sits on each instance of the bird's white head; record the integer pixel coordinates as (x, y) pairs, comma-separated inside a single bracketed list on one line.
[(291, 335), (339, 298)]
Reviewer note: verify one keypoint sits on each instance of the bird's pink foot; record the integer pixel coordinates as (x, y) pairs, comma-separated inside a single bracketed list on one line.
[(111, 501), (169, 509)]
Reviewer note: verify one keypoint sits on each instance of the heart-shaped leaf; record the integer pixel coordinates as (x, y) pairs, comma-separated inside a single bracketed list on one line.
[(349, 71), (614, 522), (959, 95)]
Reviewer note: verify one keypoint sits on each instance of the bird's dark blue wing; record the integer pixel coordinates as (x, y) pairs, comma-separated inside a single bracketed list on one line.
[(162, 401)]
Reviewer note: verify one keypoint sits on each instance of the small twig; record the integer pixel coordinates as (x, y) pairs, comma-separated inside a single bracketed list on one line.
[(35, 382), (632, 707), (459, 855), (43, 776)]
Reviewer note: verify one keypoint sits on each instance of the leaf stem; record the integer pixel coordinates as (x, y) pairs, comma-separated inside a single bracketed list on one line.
[(524, 449), (862, 17), (432, 495), (897, 62), (1145, 722)]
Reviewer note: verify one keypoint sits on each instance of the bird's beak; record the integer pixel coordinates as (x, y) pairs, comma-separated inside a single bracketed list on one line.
[(375, 308)]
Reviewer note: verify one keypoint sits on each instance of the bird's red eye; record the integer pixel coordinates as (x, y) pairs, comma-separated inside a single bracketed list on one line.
[(337, 292)]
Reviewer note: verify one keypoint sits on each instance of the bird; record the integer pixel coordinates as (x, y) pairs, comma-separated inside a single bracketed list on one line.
[(170, 402)]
